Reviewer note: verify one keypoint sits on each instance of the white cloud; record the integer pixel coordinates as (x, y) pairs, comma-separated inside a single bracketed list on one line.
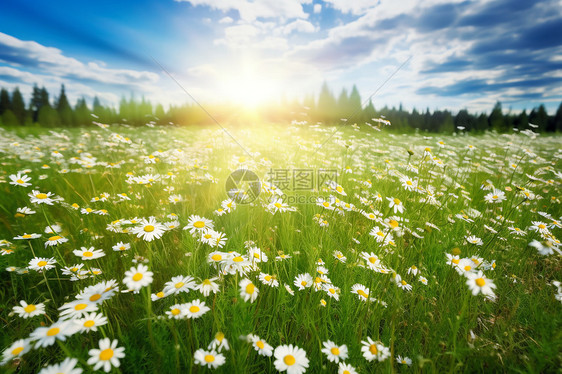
[(299, 25), (355, 7), (226, 20), (317, 8), (33, 55), (252, 10)]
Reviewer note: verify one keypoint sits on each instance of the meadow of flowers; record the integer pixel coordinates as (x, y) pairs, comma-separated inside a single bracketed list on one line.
[(122, 250)]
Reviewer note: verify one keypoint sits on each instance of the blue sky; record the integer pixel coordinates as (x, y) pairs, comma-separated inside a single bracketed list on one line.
[(461, 54)]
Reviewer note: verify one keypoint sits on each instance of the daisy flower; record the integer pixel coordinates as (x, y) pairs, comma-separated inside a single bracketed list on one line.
[(138, 277), (344, 368), (269, 280), (42, 263), (260, 345), (374, 350), (149, 229), (248, 291), (198, 224), (423, 280), (396, 204), (361, 291), (219, 343), (121, 247), (495, 197), (157, 296), (179, 284), (90, 322), (207, 286), (195, 309), (371, 259), (474, 240), (176, 311), (464, 266), (76, 309), (340, 257), (41, 198), (27, 236), (20, 179), (291, 359), (107, 356), (334, 352), (210, 359), (256, 255), (478, 283), (88, 253), (303, 281), (29, 310), (413, 270), (16, 350), (96, 293), (332, 291), (68, 366), (540, 227), (55, 240), (404, 360), (46, 336)]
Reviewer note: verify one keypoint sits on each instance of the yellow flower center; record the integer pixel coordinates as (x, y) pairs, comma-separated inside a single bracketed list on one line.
[(268, 278), (332, 291), (260, 344), (26, 236), (335, 351), (137, 277), (219, 336), (209, 358), (160, 294), (55, 238), (41, 196), (238, 259), (207, 282), (467, 268), (396, 202), (277, 205), (17, 351), (373, 349), (480, 282), (289, 360), (89, 324), (30, 308), (175, 311), (455, 261), (179, 285), (339, 189), (194, 309), (199, 224), (216, 257), (541, 226), (303, 283), (362, 293), (95, 297), (87, 254), (80, 306), (53, 331), (250, 288), (42, 263), (403, 282), (148, 228), (372, 260), (106, 354)]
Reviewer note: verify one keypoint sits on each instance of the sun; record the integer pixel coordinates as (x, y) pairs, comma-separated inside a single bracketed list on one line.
[(250, 87)]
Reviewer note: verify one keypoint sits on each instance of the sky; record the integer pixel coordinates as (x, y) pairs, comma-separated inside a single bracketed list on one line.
[(432, 54)]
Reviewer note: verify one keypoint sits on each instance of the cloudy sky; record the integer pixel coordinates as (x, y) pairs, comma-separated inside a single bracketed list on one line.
[(454, 54)]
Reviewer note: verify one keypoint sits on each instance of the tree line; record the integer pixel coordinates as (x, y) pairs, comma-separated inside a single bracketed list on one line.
[(326, 108)]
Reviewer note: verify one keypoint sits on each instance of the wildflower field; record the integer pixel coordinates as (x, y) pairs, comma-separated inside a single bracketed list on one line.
[(348, 250)]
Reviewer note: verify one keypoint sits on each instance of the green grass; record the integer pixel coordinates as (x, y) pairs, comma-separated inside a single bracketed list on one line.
[(441, 326)]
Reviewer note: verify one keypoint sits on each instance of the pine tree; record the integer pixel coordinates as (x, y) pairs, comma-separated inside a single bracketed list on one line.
[(5, 103), (63, 108), (326, 111), (82, 113), (495, 120), (18, 106), (355, 107), (558, 119)]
